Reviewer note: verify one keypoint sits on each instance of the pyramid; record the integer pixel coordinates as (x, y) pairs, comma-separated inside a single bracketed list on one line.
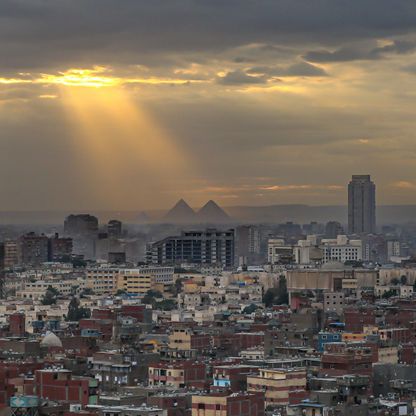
[(212, 213), (181, 213)]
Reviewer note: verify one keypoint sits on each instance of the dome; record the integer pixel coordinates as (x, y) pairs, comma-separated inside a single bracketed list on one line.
[(51, 340)]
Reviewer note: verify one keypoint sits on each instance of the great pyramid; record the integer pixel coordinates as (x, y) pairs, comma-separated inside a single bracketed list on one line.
[(181, 213), (212, 213)]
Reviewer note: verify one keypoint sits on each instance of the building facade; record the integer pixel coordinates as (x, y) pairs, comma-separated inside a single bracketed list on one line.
[(361, 205), (211, 246)]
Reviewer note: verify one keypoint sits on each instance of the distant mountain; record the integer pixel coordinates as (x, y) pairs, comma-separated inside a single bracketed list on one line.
[(181, 213), (385, 214), (292, 212), (212, 213)]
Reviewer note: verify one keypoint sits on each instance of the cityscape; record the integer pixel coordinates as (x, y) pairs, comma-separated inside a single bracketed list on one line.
[(207, 208)]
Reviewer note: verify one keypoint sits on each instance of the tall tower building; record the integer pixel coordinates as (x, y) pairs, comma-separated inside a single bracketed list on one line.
[(361, 205)]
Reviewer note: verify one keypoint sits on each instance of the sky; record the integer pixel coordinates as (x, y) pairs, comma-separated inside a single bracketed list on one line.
[(133, 104)]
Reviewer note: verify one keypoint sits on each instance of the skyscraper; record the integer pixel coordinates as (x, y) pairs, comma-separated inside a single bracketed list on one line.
[(361, 205)]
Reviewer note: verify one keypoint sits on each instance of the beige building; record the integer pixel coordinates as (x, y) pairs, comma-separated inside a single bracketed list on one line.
[(277, 384), (334, 302), (277, 250), (135, 281), (331, 278), (180, 339), (36, 290), (10, 254), (226, 404), (387, 275), (102, 280), (388, 355), (106, 279)]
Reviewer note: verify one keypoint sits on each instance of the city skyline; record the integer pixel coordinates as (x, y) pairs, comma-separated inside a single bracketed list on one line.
[(144, 103)]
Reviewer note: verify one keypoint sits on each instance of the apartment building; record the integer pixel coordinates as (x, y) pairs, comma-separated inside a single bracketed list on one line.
[(280, 386), (107, 279), (211, 246), (225, 404)]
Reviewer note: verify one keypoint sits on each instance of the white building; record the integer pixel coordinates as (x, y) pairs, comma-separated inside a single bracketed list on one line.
[(341, 249), (393, 249), (278, 250)]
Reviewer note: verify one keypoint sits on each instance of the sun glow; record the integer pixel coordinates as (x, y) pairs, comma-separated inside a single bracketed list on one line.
[(95, 77), (121, 142)]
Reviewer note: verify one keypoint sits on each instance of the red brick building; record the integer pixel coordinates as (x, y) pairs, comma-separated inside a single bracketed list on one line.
[(179, 374), (232, 377), (339, 359), (17, 322), (103, 326), (60, 385), (226, 404), (357, 319)]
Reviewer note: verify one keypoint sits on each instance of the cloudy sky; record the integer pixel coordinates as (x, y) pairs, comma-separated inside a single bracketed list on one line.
[(131, 104)]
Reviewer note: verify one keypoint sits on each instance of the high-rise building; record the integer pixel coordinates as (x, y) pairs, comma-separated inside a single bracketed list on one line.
[(32, 249), (247, 244), (333, 229), (10, 254), (83, 228), (114, 228), (361, 205), (80, 224), (59, 248), (211, 246)]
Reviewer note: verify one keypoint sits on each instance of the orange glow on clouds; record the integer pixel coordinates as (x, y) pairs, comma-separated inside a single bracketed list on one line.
[(96, 77), (119, 142)]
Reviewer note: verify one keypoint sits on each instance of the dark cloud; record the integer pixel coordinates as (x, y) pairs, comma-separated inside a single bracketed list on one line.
[(48, 33), (299, 69), (305, 69), (357, 52)]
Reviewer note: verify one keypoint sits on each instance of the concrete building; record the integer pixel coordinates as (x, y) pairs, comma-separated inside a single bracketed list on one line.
[(333, 229), (36, 290), (59, 248), (341, 249), (114, 228), (32, 249), (278, 252), (103, 279), (211, 246), (307, 252), (331, 278), (393, 249), (80, 224), (280, 385), (334, 302), (108, 279), (361, 205), (10, 254), (248, 244)]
